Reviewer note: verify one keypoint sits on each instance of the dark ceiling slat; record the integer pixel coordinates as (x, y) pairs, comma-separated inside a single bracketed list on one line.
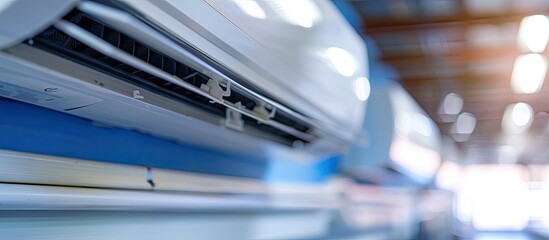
[(394, 24), (464, 54)]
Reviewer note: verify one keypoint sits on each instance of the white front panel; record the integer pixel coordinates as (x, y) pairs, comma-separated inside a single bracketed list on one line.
[(288, 62)]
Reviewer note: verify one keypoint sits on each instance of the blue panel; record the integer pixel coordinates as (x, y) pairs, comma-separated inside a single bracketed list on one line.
[(29, 128), (284, 170), (350, 13)]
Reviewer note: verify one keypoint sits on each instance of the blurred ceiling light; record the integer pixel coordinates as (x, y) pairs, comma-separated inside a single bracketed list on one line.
[(342, 60), (463, 127), (297, 12), (528, 73), (251, 7), (453, 103), (362, 88), (466, 123), (522, 114), (451, 106), (517, 118), (533, 33)]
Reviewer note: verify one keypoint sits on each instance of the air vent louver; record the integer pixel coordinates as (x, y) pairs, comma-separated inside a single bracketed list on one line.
[(59, 43)]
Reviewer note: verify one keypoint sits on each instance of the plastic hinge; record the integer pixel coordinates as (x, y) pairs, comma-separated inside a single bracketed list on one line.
[(213, 88), (233, 118)]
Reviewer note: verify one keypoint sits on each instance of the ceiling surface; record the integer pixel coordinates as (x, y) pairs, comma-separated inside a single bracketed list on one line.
[(466, 47)]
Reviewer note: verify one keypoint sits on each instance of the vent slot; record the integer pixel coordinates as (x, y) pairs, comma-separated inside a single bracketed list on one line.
[(61, 44)]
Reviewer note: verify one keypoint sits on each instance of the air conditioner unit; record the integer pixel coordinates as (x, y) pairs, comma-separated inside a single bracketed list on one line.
[(198, 72)]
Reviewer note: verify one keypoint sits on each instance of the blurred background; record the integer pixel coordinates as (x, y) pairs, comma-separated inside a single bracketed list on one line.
[(477, 68)]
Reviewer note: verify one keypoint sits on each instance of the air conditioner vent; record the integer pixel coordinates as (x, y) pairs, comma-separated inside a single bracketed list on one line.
[(57, 42)]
